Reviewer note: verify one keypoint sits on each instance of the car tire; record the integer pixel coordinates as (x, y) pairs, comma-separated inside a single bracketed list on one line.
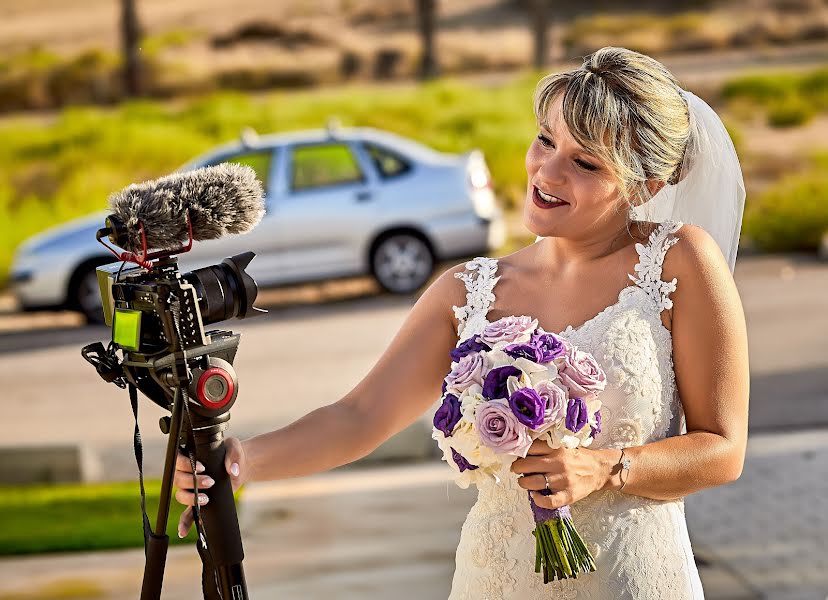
[(402, 262), (84, 294)]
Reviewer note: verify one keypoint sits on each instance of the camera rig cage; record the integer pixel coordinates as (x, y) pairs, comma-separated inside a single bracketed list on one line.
[(158, 317)]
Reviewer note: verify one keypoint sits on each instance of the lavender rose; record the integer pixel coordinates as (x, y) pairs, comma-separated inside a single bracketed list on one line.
[(556, 402), (500, 430), (448, 415), (576, 414), (495, 384), (467, 372), (528, 406), (473, 344), (509, 330), (581, 373)]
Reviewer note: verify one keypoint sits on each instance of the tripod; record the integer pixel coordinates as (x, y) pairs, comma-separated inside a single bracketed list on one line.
[(203, 386)]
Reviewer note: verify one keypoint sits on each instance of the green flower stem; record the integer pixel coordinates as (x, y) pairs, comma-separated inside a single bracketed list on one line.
[(560, 552)]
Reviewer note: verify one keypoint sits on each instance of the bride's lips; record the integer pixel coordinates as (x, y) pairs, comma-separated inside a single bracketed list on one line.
[(541, 204)]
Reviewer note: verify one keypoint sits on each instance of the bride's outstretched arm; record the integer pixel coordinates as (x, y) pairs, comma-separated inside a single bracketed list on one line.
[(403, 383), (710, 355)]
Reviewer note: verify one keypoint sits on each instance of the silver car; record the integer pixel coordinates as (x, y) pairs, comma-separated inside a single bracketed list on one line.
[(340, 202)]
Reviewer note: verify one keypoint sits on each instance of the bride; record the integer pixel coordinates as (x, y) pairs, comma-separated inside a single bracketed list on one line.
[(624, 161)]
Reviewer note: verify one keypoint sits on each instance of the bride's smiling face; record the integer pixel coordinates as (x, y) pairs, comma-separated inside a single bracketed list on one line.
[(559, 169)]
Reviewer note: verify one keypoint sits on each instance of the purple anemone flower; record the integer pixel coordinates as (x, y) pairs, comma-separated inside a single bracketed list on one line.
[(494, 386), (528, 406), (461, 462), (448, 415), (576, 414), (473, 344)]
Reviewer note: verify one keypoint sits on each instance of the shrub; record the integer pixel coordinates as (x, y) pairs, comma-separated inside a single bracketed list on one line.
[(789, 98), (790, 111), (792, 215)]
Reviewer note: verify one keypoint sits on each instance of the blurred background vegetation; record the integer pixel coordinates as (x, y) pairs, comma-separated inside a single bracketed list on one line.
[(126, 90)]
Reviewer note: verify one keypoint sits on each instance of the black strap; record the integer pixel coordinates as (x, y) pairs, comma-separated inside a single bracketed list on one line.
[(139, 458)]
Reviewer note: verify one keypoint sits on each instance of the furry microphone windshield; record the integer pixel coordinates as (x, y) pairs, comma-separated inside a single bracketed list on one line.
[(224, 199)]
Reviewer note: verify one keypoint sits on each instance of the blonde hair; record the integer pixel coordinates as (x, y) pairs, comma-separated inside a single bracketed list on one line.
[(626, 109)]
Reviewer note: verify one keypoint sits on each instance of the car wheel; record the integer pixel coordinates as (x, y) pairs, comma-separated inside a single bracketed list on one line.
[(402, 263), (85, 296)]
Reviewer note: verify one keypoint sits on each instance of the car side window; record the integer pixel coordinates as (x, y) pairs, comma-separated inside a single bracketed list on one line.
[(259, 161), (388, 163), (321, 165)]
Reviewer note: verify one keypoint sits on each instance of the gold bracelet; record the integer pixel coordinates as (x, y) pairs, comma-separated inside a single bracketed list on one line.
[(625, 466)]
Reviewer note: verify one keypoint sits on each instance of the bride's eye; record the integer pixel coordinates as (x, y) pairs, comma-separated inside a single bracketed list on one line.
[(586, 165), (545, 141)]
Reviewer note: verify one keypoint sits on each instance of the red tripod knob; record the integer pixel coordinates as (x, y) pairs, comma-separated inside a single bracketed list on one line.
[(215, 388)]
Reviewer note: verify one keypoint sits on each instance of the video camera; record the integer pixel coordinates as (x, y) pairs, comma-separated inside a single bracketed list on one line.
[(158, 317)]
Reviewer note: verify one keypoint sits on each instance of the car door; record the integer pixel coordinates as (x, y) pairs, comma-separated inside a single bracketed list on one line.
[(324, 210)]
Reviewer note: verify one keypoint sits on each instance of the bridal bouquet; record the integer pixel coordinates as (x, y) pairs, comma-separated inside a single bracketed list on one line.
[(509, 386)]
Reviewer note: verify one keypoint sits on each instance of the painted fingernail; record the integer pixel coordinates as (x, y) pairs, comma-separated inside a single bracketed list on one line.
[(181, 533), (234, 469), (199, 467), (207, 482), (203, 499)]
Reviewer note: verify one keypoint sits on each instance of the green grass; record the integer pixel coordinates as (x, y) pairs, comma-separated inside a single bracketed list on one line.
[(74, 517)]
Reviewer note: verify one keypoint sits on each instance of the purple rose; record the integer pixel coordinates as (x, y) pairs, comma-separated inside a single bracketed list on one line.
[(494, 386), (473, 344), (550, 346), (576, 414), (541, 348), (500, 430), (597, 429), (582, 374), (461, 462), (556, 402), (528, 406), (465, 373), (527, 350), (509, 330), (448, 415)]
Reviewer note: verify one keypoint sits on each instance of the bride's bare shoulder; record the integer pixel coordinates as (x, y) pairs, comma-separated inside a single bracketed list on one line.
[(696, 256)]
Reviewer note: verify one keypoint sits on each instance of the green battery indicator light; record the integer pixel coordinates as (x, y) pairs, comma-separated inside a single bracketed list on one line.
[(126, 330)]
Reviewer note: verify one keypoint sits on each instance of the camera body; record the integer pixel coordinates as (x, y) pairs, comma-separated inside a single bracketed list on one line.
[(159, 313)]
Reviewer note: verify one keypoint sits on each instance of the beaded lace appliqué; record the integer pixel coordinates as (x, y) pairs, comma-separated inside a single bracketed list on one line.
[(650, 264), (480, 281)]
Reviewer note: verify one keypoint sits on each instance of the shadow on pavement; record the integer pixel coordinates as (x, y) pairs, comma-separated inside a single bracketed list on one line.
[(790, 399), (37, 339)]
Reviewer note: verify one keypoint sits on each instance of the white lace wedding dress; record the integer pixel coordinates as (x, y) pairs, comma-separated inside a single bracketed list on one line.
[(641, 546)]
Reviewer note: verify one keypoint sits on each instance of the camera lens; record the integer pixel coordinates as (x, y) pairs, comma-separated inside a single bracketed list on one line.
[(224, 290)]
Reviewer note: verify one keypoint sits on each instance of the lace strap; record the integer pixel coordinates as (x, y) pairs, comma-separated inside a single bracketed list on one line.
[(480, 281), (651, 261)]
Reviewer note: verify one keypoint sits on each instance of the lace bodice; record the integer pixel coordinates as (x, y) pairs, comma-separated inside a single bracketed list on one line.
[(641, 546)]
